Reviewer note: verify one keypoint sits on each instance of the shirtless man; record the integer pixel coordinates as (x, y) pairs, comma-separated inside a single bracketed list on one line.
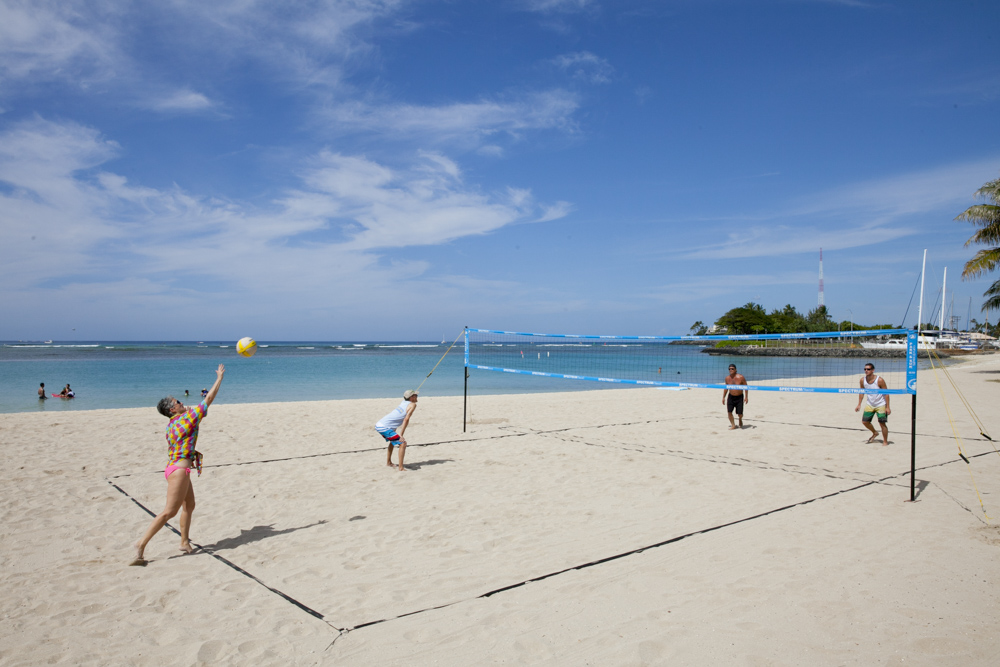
[(393, 425), (737, 397), (877, 404), (41, 392)]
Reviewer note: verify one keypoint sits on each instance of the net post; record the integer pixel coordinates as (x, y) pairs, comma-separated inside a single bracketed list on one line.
[(913, 448), (912, 355), (465, 393)]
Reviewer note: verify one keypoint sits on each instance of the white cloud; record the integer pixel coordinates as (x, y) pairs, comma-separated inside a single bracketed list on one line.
[(558, 5), (42, 40), (708, 287), (466, 123), (67, 222), (558, 210), (585, 66), (180, 101), (852, 216)]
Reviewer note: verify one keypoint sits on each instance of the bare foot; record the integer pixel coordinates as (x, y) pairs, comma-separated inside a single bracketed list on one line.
[(873, 438), (732, 428), (187, 548), (401, 468), (138, 559), (390, 465)]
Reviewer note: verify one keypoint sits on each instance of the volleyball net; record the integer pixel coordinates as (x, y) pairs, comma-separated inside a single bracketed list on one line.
[(801, 362)]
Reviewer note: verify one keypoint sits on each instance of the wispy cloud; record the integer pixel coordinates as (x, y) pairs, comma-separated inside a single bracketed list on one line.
[(558, 5), (585, 66), (709, 287), (183, 100), (42, 40), (67, 221), (465, 123), (852, 216)]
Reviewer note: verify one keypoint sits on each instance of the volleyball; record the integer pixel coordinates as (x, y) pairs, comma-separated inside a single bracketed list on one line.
[(247, 347)]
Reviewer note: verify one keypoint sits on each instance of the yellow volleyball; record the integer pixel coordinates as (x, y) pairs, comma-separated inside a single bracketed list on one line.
[(247, 347)]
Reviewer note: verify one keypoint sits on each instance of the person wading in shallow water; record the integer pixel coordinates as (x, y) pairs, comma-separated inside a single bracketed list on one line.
[(737, 397), (182, 436)]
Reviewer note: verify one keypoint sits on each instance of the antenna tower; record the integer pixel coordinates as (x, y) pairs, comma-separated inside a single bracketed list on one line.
[(822, 300)]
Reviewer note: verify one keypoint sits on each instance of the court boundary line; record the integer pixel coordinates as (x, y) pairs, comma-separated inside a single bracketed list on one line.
[(632, 552), (287, 598), (496, 437), (656, 545)]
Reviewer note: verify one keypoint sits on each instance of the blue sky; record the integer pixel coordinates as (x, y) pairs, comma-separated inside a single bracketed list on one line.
[(393, 169)]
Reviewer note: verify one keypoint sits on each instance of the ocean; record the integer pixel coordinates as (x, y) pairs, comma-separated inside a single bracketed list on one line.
[(138, 374)]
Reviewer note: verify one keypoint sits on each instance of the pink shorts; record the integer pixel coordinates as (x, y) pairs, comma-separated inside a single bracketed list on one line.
[(169, 469)]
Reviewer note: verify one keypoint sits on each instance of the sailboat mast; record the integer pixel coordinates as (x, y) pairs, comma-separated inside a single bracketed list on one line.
[(944, 301)]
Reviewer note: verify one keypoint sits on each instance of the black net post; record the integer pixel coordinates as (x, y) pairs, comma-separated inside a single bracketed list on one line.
[(913, 448)]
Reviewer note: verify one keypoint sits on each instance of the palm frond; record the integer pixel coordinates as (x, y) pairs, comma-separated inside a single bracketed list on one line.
[(994, 289), (982, 262), (990, 191), (993, 302), (981, 214)]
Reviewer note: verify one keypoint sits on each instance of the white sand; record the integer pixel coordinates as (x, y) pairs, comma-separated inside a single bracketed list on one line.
[(539, 484)]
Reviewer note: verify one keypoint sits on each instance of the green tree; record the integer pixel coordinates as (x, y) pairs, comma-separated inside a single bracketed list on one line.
[(818, 319), (987, 218), (699, 328), (788, 320), (742, 320)]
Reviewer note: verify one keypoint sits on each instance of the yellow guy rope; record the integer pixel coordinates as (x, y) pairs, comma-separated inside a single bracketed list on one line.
[(968, 406), (441, 359), (958, 438)]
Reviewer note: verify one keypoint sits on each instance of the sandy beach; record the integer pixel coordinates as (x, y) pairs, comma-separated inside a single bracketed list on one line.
[(614, 527)]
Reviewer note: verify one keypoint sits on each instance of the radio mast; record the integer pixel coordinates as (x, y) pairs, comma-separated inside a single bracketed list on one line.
[(822, 300)]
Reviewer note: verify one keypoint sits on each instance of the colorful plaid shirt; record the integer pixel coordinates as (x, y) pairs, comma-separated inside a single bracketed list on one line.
[(182, 435)]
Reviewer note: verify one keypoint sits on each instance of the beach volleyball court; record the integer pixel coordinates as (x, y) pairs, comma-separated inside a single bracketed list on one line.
[(645, 530), (509, 502)]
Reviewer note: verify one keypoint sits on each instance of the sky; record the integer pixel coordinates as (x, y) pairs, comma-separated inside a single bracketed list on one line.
[(399, 169)]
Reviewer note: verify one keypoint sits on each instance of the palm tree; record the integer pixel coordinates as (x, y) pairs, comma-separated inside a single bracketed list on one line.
[(987, 218)]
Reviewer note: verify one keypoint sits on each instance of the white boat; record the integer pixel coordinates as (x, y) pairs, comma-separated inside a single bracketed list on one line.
[(898, 344)]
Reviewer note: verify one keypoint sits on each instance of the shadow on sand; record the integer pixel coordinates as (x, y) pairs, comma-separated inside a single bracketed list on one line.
[(255, 534), (420, 464)]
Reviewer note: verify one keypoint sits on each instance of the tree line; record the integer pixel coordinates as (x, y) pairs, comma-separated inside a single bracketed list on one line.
[(753, 318)]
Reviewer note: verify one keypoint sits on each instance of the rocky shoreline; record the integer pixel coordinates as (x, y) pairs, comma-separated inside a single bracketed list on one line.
[(850, 352)]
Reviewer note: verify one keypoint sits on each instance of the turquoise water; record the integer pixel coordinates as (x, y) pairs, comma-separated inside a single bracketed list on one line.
[(138, 374)]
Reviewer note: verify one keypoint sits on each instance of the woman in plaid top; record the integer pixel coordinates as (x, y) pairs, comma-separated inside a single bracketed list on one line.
[(182, 436)]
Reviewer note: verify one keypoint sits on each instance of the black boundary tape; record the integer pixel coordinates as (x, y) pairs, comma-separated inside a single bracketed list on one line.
[(719, 459), (624, 554), (408, 446), (607, 559), (285, 597), (672, 540)]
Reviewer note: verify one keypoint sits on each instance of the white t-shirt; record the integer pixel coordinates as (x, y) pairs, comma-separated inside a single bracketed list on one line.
[(394, 419)]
